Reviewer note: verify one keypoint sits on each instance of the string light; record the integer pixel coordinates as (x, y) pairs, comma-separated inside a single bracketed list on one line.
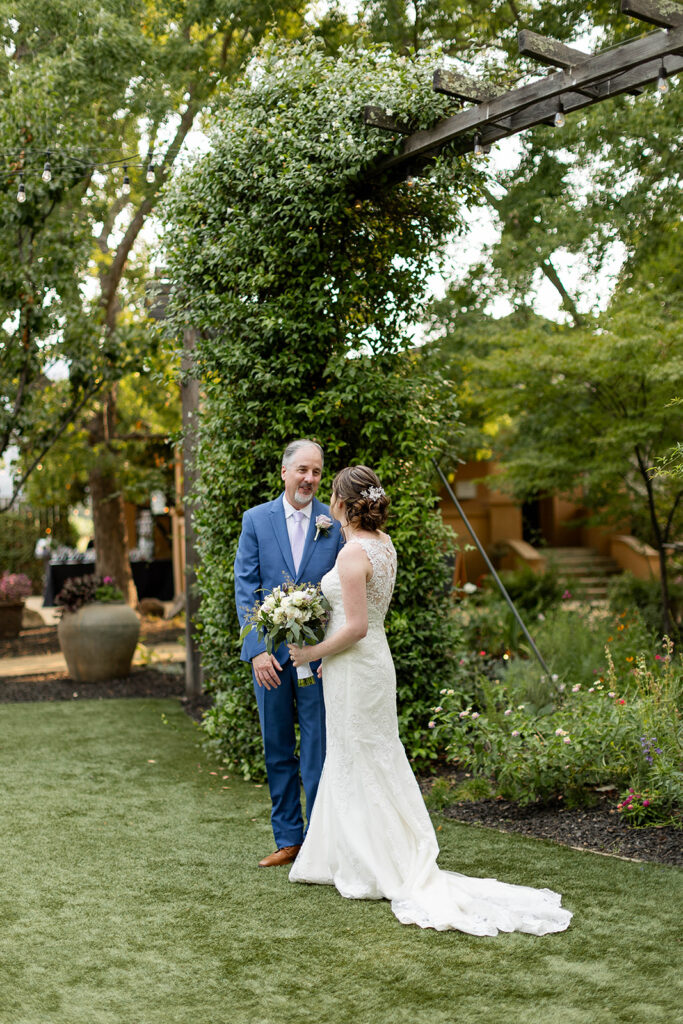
[(478, 146), (410, 181), (559, 120), (662, 83), (21, 192), (125, 188), (358, 205), (149, 176), (47, 170)]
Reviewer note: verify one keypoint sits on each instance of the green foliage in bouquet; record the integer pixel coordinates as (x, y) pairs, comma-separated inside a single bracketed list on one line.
[(304, 293)]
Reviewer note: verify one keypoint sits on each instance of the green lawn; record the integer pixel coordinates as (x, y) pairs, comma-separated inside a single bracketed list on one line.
[(130, 895)]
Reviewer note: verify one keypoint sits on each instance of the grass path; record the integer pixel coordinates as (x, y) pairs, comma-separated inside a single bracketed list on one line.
[(129, 894)]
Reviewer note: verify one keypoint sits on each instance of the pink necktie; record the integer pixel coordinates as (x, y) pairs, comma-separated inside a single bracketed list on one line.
[(298, 539)]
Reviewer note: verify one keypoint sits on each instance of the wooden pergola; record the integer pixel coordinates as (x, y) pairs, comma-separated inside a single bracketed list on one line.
[(583, 80)]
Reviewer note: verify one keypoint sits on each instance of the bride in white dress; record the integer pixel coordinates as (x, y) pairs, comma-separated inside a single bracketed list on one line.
[(370, 834)]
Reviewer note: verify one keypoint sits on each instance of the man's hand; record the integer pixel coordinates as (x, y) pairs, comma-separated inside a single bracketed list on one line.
[(265, 666)]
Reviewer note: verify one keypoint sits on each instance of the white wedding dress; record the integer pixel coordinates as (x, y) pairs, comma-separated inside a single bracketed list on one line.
[(370, 834)]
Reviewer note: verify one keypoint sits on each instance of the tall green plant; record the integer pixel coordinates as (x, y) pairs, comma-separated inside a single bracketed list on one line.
[(304, 296)]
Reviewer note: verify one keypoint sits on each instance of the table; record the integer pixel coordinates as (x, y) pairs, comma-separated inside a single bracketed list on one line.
[(152, 579)]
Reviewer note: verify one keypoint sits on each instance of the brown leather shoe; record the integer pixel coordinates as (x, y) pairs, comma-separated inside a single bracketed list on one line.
[(283, 856)]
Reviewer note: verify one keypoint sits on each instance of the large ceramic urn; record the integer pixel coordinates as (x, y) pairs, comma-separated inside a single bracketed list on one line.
[(11, 614), (98, 641)]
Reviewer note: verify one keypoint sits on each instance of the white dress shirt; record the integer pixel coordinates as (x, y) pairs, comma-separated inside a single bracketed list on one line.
[(291, 523)]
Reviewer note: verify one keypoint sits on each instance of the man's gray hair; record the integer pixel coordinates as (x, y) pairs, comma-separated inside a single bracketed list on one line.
[(290, 451)]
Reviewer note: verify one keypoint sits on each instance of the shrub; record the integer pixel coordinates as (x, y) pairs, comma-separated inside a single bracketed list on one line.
[(627, 592), (623, 730), (14, 586), (81, 590)]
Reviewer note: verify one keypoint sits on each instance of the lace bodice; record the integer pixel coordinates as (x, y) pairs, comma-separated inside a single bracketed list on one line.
[(380, 586)]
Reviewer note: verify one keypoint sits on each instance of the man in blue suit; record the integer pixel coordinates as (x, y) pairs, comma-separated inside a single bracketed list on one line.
[(278, 542)]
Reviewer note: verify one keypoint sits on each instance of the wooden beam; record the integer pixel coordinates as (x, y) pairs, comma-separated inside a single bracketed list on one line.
[(453, 83), (554, 53), (544, 111), (607, 73), (379, 117), (665, 13), (549, 51)]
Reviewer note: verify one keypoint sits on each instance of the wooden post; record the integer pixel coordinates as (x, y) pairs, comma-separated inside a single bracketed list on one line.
[(190, 404)]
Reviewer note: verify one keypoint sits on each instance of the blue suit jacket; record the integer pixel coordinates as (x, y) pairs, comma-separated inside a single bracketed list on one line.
[(264, 561)]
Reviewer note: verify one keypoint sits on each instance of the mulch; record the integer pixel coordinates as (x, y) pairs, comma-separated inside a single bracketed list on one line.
[(599, 828)]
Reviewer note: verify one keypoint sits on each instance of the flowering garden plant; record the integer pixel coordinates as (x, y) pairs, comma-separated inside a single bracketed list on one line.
[(291, 613), (83, 590), (14, 586), (620, 732)]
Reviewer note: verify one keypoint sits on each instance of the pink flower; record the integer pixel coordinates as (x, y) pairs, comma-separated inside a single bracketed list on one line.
[(567, 595), (576, 687), (567, 739), (658, 657), (621, 701), (508, 712), (515, 732), (482, 653), (431, 725), (646, 803), (475, 714), (611, 694)]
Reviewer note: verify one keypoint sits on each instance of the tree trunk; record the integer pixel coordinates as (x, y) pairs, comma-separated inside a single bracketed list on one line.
[(109, 521)]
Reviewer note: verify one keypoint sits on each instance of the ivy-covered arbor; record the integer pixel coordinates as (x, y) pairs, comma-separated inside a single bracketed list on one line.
[(299, 249)]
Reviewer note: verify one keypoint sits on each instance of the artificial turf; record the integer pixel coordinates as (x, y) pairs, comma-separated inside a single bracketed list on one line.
[(130, 895)]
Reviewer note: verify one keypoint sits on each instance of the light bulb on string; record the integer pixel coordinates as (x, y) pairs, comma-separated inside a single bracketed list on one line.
[(358, 205), (150, 176), (410, 181), (559, 120), (478, 147), (125, 188), (21, 191), (47, 169), (662, 82)]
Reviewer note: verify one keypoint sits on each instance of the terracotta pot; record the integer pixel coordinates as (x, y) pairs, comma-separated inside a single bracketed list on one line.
[(11, 613), (98, 641)]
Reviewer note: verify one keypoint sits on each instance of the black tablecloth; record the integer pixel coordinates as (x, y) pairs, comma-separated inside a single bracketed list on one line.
[(152, 579)]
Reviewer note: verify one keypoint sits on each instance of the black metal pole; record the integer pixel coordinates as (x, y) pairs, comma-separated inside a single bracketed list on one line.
[(493, 572)]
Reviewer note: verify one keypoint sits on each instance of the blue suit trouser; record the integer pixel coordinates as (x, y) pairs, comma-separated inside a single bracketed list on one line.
[(278, 711)]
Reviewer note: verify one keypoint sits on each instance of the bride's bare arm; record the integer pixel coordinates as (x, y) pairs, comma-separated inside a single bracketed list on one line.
[(354, 569)]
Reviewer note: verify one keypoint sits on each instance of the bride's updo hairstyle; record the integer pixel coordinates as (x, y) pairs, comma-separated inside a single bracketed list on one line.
[(367, 506)]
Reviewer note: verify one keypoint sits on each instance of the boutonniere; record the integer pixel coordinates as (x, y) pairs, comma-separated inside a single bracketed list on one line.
[(322, 525)]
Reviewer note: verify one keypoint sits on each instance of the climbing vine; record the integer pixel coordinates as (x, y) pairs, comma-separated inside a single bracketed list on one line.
[(305, 296)]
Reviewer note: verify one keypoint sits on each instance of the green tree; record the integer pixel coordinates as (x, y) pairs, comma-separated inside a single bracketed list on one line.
[(304, 297), (118, 84)]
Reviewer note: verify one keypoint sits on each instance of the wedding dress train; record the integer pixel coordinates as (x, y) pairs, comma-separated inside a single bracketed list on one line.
[(370, 834)]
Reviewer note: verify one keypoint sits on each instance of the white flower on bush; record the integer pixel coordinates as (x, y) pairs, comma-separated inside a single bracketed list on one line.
[(443, 692), (508, 712), (611, 694), (515, 732), (576, 687), (520, 707), (431, 725), (470, 588), (475, 714), (450, 693), (463, 714), (567, 739), (561, 732), (437, 709), (591, 689)]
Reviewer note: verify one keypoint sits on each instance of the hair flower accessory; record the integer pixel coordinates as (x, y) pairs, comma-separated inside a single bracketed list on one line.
[(322, 525), (373, 493)]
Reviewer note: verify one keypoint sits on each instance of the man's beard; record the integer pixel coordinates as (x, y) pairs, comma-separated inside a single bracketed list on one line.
[(303, 497)]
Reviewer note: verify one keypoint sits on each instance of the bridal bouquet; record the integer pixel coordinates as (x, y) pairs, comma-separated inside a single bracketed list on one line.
[(293, 614)]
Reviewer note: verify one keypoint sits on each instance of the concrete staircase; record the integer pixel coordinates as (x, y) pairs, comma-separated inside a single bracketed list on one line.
[(584, 572)]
